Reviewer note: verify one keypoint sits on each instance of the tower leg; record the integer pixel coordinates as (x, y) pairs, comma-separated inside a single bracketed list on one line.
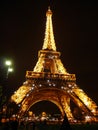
[(66, 107)]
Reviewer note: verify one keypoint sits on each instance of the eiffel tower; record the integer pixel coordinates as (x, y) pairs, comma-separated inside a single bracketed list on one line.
[(49, 81)]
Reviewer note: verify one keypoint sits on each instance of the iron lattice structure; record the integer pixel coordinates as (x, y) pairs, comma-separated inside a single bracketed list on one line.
[(50, 81)]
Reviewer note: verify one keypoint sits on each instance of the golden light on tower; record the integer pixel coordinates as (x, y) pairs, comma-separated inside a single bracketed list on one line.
[(49, 42), (87, 101), (20, 94), (50, 81)]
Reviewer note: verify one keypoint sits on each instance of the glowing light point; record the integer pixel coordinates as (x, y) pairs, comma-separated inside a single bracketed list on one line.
[(8, 63), (10, 69)]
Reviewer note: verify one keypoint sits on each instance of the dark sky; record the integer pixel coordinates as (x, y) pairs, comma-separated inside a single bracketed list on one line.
[(22, 27)]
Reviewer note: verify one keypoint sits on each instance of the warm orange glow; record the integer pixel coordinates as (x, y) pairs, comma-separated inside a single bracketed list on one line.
[(50, 81), (49, 42), (91, 105), (18, 96)]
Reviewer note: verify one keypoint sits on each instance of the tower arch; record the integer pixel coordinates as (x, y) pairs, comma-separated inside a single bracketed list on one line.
[(53, 95)]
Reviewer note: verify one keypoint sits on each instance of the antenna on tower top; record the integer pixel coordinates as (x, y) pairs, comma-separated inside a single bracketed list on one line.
[(48, 7)]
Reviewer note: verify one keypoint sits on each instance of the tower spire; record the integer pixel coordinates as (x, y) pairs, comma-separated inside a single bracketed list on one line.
[(49, 42)]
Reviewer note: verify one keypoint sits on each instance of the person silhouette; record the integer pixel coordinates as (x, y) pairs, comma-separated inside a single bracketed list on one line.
[(14, 123), (65, 124)]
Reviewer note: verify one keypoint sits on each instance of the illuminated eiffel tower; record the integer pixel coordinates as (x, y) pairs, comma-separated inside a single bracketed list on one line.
[(49, 81)]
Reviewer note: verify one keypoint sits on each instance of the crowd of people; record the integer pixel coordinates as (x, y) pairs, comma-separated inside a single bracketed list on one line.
[(14, 123), (9, 123)]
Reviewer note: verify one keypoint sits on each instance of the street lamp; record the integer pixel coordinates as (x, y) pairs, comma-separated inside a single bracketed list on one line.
[(10, 69), (8, 63)]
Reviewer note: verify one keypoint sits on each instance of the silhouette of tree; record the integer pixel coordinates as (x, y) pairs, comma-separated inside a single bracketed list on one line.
[(2, 97)]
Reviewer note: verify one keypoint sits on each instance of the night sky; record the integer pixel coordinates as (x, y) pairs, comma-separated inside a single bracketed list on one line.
[(75, 25)]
